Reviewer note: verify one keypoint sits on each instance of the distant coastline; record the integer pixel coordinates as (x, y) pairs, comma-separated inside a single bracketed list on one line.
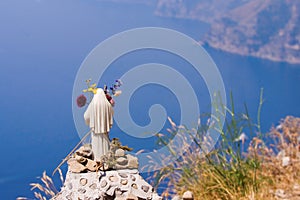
[(262, 29)]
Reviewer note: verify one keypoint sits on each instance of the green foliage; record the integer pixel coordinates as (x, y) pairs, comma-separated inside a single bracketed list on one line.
[(223, 173)]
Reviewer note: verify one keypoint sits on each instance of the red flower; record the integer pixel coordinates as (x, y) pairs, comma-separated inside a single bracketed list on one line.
[(81, 101)]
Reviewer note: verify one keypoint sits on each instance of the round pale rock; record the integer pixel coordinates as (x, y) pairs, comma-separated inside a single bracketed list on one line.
[(122, 161), (123, 175), (124, 181), (133, 162), (120, 153), (285, 161), (134, 186), (188, 195), (83, 181)]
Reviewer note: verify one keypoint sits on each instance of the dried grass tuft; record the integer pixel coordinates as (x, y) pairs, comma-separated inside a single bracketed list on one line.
[(267, 167)]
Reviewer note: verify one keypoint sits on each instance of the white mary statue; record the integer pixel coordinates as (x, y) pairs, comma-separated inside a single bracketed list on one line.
[(99, 117)]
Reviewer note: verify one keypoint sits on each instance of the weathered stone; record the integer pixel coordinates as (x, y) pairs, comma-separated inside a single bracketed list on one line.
[(78, 151), (134, 186), (81, 190), (70, 186), (141, 194), (132, 177), (85, 151), (106, 185), (123, 175), (188, 195), (91, 165), (81, 159), (69, 196), (120, 153), (119, 195), (124, 181), (131, 197), (145, 188), (285, 161), (113, 179), (83, 181), (93, 186), (132, 162), (118, 192), (122, 161), (75, 166), (111, 190), (117, 166), (103, 183)]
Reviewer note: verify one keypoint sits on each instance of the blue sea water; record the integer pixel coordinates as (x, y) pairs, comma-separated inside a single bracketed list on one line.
[(42, 45)]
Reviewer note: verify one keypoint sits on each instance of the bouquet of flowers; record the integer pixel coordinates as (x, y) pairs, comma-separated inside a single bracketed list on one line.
[(111, 91)]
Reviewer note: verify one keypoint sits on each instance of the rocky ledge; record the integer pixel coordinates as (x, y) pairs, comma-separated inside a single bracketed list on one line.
[(115, 177), (106, 185)]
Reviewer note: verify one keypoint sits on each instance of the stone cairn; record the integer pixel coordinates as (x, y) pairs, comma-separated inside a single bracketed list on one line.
[(115, 177)]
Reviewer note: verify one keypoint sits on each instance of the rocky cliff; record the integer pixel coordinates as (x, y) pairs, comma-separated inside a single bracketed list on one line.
[(262, 28), (115, 177)]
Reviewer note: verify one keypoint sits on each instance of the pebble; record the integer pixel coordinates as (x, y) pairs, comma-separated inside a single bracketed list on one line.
[(83, 181), (124, 181), (120, 153), (122, 161), (285, 161), (188, 195), (123, 175), (134, 186)]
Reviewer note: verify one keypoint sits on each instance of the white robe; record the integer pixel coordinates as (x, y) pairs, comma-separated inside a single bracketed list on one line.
[(99, 117)]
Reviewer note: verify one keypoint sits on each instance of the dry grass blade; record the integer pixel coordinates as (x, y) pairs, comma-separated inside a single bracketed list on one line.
[(37, 186), (39, 196), (232, 171), (61, 176), (47, 187)]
